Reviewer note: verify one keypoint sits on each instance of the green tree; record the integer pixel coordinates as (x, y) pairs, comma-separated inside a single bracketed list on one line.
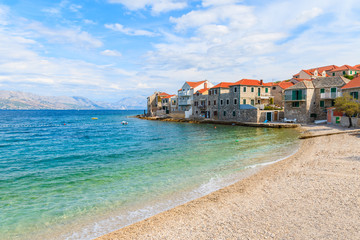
[(349, 76), (348, 106)]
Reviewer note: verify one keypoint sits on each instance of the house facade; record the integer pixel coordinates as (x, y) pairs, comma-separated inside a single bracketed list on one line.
[(155, 104), (353, 88), (186, 93), (307, 101), (277, 91), (344, 70)]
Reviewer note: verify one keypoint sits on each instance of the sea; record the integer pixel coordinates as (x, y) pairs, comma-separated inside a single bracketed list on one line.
[(81, 174)]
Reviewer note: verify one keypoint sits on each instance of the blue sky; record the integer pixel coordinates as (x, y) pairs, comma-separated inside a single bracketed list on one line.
[(111, 49)]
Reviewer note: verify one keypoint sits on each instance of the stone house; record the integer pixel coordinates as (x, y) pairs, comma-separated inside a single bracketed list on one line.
[(166, 104), (186, 94), (344, 70), (307, 101), (200, 110), (174, 103), (277, 91), (353, 88), (154, 103), (314, 72)]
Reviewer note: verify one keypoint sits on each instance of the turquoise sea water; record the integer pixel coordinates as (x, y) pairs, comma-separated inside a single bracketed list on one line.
[(64, 175)]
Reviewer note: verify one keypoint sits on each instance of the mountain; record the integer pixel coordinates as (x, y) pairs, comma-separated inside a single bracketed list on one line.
[(22, 100)]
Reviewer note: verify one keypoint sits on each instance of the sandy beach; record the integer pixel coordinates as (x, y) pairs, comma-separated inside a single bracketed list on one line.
[(314, 194)]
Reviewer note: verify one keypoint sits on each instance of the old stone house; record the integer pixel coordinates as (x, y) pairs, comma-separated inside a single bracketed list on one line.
[(277, 91), (154, 103), (353, 88), (307, 101)]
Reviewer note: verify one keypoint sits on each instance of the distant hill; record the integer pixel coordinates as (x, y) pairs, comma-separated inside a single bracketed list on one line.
[(27, 101)]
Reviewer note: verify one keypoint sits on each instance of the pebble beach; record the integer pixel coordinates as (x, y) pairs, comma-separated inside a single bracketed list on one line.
[(314, 194)]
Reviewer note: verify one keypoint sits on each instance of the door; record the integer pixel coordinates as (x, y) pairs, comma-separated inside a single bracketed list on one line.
[(259, 91), (268, 116)]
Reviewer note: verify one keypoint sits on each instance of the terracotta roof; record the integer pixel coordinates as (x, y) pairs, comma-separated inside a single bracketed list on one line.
[(248, 82), (343, 68), (169, 96), (285, 85), (202, 90), (163, 94), (355, 83), (195, 84), (320, 70), (223, 85), (357, 66)]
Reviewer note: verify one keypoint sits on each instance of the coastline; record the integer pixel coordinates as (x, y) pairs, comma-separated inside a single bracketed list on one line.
[(312, 194)]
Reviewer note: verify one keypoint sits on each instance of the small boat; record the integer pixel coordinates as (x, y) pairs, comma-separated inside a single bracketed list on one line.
[(124, 123), (94, 118)]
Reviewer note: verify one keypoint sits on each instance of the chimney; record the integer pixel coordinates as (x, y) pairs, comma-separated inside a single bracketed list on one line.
[(261, 82), (205, 85)]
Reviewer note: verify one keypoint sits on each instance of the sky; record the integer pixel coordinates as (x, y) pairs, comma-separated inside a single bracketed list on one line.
[(111, 49)]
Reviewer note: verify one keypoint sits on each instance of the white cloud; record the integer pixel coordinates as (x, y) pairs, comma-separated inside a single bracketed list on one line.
[(308, 15), (157, 6), (234, 15), (64, 35), (74, 7), (129, 31), (207, 3), (4, 10), (111, 53)]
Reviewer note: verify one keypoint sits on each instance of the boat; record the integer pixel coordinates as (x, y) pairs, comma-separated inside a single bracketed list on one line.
[(124, 123)]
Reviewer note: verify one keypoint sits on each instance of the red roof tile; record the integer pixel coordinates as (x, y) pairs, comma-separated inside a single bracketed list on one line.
[(163, 94), (223, 85), (248, 82), (355, 83), (195, 84), (169, 96), (285, 85), (344, 68), (202, 90)]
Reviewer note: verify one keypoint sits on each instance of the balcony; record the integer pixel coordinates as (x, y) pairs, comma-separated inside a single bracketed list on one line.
[(184, 93), (264, 96), (185, 102), (294, 98), (330, 95)]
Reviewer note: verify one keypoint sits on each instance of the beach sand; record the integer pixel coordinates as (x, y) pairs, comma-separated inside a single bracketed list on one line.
[(314, 194)]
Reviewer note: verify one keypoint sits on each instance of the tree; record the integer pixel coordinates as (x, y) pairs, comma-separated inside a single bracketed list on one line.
[(348, 106)]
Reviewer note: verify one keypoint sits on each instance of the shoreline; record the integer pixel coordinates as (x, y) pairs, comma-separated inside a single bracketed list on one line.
[(220, 122), (212, 216)]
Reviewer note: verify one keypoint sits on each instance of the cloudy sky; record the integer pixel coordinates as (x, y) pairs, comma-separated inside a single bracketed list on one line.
[(110, 49)]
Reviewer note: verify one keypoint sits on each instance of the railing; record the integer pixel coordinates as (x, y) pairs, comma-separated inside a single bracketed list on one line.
[(294, 98), (264, 95), (185, 102), (184, 93), (330, 95)]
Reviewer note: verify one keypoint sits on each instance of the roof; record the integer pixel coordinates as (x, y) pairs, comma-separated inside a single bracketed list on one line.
[(285, 85), (357, 66), (195, 84), (302, 85), (326, 82), (169, 96), (223, 85), (202, 90), (248, 82), (319, 69), (355, 83), (163, 94), (344, 68)]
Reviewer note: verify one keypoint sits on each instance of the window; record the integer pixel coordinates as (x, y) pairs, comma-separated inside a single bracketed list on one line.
[(224, 113), (333, 74), (209, 103), (214, 102), (252, 89), (273, 88), (332, 103), (215, 91), (344, 72), (355, 95), (266, 90), (215, 113), (350, 72), (234, 113), (244, 101), (227, 101), (244, 89), (252, 102), (322, 90), (295, 104), (221, 102), (322, 104), (235, 89), (235, 101), (209, 92)]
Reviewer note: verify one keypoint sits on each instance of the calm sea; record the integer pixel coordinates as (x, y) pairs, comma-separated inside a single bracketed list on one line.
[(65, 175)]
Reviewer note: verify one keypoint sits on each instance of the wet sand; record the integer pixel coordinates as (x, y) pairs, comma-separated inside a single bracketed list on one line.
[(314, 194)]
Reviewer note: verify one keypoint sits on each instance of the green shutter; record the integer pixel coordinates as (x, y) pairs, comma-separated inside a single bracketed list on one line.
[(300, 95), (266, 90), (322, 103), (294, 95), (322, 90), (244, 101), (333, 89)]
